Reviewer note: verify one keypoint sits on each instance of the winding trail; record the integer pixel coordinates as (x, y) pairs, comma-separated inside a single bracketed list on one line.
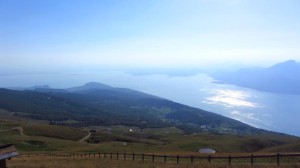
[(85, 138), (15, 128), (22, 133)]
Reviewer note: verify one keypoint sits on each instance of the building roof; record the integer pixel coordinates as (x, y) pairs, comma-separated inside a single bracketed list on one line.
[(207, 150)]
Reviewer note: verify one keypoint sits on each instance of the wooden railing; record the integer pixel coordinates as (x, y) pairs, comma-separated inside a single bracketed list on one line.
[(6, 152), (276, 159)]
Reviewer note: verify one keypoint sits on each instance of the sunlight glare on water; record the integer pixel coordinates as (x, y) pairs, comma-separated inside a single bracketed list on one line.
[(236, 104), (231, 98)]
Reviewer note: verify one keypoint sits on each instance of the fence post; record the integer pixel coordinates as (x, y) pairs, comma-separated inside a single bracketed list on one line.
[(117, 156), (209, 158), (192, 159), (278, 159), (143, 157), (110, 156), (252, 160), (3, 163), (124, 156), (165, 158), (132, 156), (229, 160), (177, 159), (153, 158)]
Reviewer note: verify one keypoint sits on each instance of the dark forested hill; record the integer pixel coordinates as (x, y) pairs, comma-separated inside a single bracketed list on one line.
[(280, 78), (99, 104)]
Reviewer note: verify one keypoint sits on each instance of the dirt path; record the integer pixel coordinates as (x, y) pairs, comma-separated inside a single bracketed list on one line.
[(85, 138), (15, 128)]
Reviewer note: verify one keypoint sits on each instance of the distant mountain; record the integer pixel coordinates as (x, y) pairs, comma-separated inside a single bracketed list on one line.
[(39, 87), (99, 104), (283, 78), (89, 86), (30, 88)]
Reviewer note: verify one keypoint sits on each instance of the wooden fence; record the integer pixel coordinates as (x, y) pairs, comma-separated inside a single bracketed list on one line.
[(7, 151), (250, 159)]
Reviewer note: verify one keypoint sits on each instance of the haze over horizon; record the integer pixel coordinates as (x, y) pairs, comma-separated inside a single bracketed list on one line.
[(73, 35)]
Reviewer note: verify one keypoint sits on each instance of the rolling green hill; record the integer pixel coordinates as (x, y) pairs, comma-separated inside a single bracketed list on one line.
[(30, 135), (98, 104)]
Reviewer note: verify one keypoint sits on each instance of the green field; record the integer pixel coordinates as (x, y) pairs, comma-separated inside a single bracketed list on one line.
[(39, 136), (33, 136), (53, 131)]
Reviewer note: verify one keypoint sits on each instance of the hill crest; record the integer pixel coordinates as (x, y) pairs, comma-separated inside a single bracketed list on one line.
[(282, 78), (115, 106)]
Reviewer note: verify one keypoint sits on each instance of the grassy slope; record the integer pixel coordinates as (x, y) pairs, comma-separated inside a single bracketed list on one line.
[(54, 131), (115, 107), (290, 147), (40, 137)]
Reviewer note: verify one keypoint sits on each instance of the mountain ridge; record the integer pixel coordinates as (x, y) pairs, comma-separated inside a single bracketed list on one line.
[(282, 78), (89, 86), (104, 105)]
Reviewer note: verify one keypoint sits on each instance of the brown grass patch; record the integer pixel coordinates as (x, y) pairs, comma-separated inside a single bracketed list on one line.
[(54, 162)]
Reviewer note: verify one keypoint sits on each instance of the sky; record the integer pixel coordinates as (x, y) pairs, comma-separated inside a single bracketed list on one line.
[(64, 35)]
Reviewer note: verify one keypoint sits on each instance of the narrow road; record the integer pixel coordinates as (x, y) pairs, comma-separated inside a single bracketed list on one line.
[(15, 128), (85, 138)]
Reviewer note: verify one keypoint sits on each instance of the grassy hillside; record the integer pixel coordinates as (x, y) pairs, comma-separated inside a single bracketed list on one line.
[(122, 120), (98, 105), (290, 147), (52, 131), (42, 137)]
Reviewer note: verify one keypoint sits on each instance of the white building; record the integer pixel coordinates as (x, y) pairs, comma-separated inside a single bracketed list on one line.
[(207, 150)]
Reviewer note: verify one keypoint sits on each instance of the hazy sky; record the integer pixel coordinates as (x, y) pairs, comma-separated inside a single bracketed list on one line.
[(73, 34)]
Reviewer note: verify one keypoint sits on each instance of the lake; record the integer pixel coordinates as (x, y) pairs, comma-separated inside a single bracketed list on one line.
[(275, 112)]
